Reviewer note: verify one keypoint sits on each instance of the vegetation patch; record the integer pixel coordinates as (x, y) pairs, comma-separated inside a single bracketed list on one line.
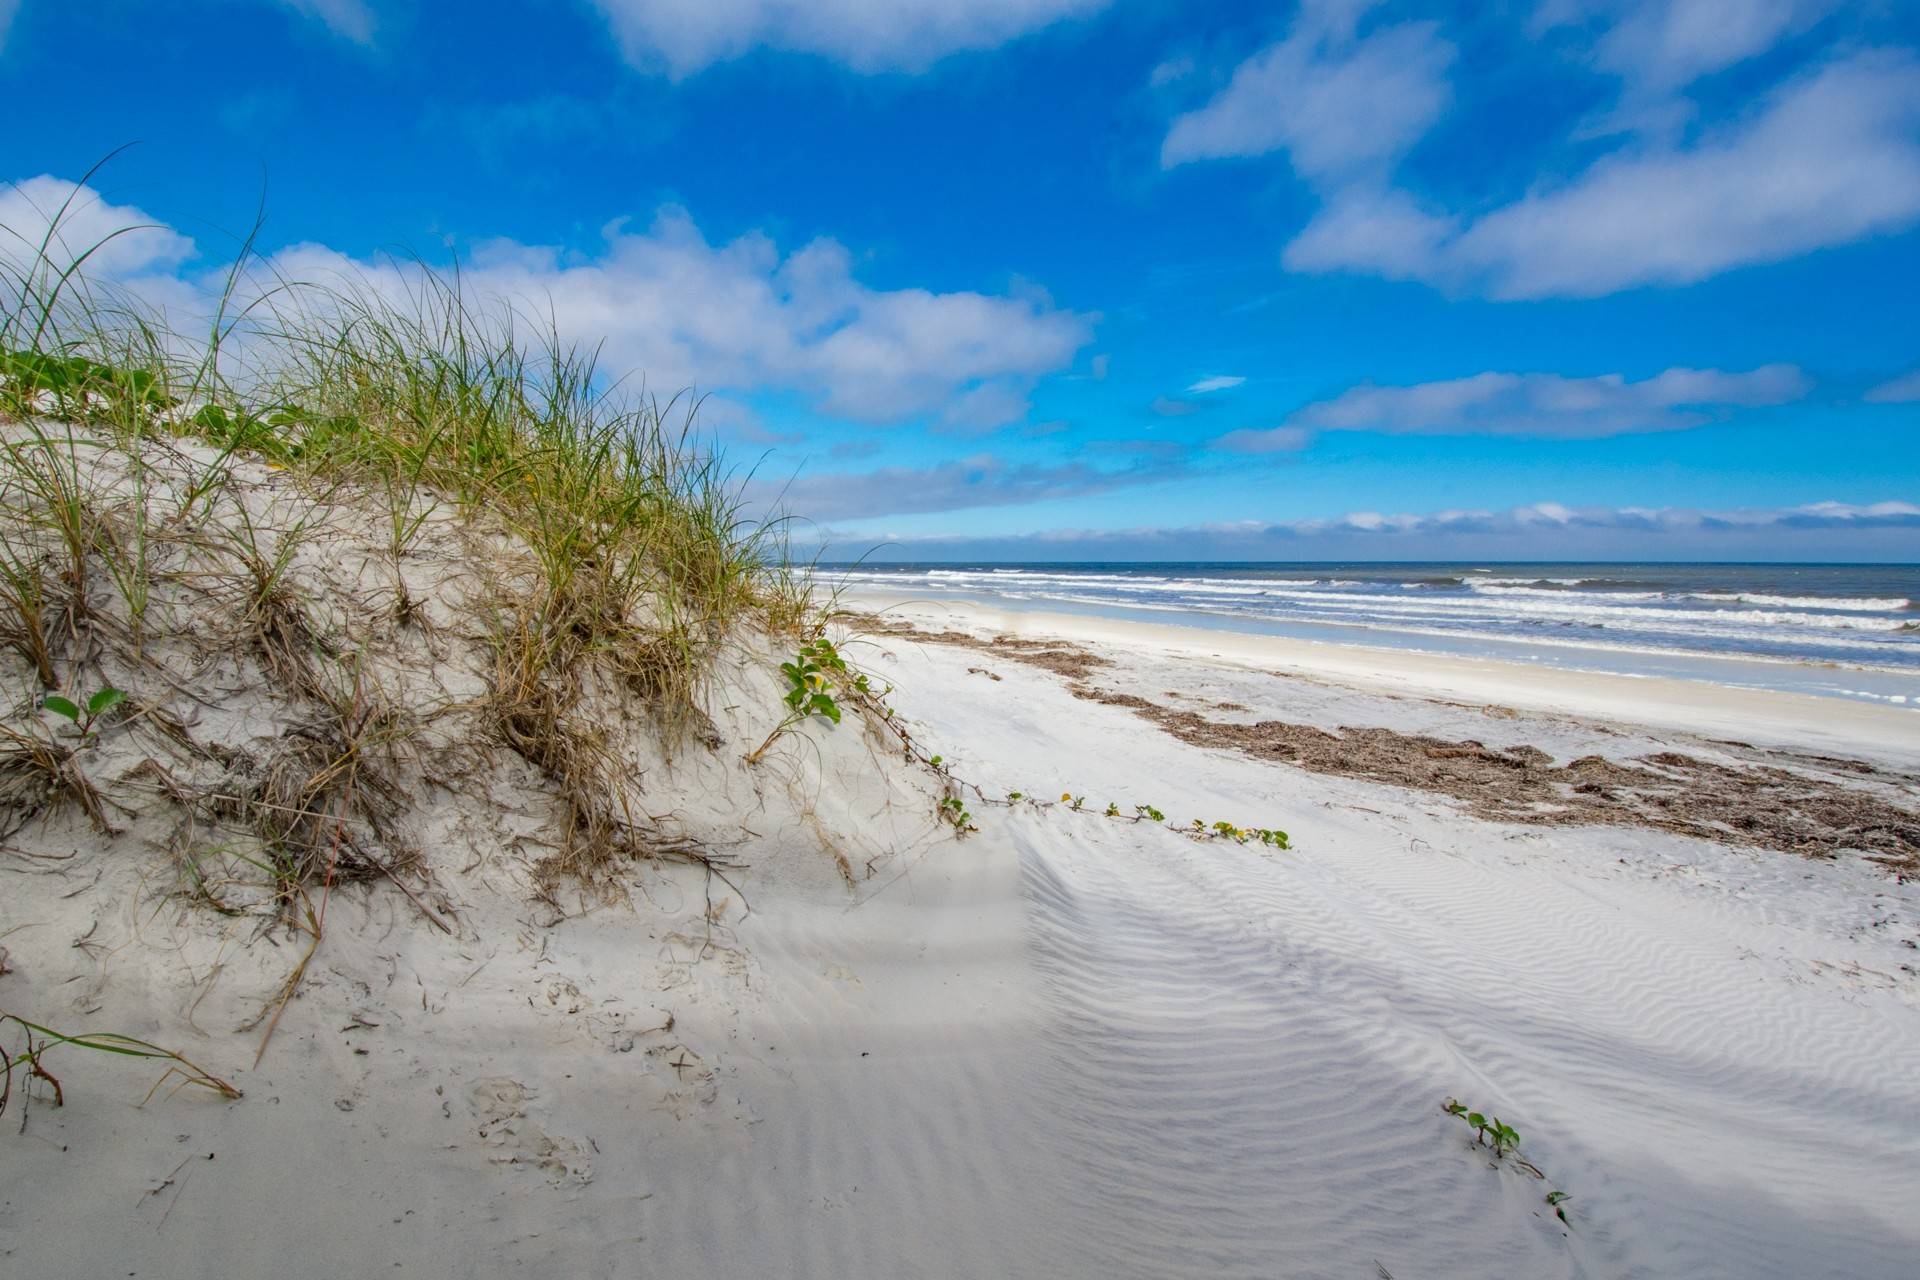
[(1503, 1140), (27, 1059), (1765, 804)]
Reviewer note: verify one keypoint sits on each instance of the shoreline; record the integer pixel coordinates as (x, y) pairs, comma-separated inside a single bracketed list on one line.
[(1865, 676), (1769, 716)]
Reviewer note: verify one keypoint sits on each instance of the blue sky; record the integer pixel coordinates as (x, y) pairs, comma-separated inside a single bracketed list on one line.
[(1107, 278)]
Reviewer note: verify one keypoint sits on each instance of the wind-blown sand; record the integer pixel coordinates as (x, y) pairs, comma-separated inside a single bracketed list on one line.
[(1065, 1045)]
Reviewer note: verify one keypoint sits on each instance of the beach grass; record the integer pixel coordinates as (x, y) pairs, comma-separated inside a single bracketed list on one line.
[(157, 472), (423, 401)]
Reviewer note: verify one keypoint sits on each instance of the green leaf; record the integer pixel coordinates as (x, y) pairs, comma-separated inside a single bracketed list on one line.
[(105, 700), (1477, 1120), (62, 707)]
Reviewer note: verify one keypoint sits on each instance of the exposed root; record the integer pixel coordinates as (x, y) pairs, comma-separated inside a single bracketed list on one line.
[(323, 799), (537, 685), (37, 774), (34, 610)]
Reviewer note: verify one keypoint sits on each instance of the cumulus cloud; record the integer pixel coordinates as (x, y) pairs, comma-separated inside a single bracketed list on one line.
[(682, 37), (117, 241), (985, 407), (1902, 390), (1828, 158), (667, 304), (1537, 516), (1661, 45), (1546, 405), (1219, 383), (1831, 158), (1536, 530), (1830, 515), (980, 481), (1381, 231), (1337, 105)]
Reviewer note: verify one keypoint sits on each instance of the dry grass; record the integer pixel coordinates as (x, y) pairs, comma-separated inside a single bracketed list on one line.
[(637, 562), (31, 611), (145, 547), (38, 774), (30, 1060), (325, 802), (271, 621), (536, 709)]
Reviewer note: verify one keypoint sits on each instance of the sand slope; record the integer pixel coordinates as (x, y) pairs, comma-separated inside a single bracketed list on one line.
[(1703, 1045), (1064, 1046)]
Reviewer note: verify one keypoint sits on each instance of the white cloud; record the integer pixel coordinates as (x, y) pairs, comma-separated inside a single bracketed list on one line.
[(1384, 232), (1554, 515), (686, 36), (684, 313), (979, 481), (1537, 530), (118, 241), (1338, 107), (8, 8), (1660, 45), (1832, 158), (985, 407), (1173, 69), (1902, 390), (1545, 405), (1218, 383), (350, 19), (1266, 440)]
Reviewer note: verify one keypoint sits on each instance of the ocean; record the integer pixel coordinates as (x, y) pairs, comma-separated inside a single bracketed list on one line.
[(1840, 630)]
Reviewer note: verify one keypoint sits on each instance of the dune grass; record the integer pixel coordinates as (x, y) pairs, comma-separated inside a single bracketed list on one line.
[(28, 1059), (638, 559), (612, 549)]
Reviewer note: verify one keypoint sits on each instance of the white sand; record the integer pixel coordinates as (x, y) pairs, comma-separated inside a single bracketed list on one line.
[(1803, 721), (1065, 1046)]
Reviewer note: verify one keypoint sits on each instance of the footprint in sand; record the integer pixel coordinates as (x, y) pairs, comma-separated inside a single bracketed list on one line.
[(499, 1103)]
